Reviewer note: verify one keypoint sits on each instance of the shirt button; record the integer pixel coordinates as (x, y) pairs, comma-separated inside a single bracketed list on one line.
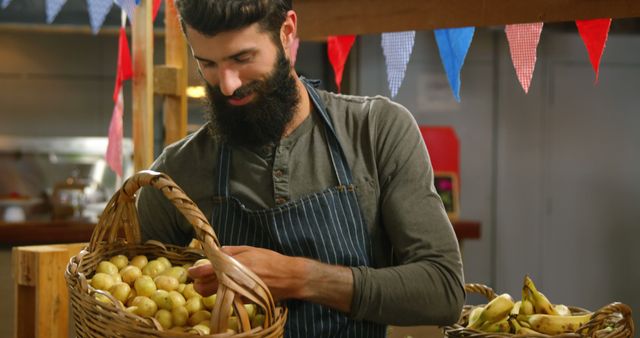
[(278, 173), (280, 200)]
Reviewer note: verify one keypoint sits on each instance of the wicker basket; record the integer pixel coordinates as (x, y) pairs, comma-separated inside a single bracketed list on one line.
[(615, 315), (235, 282)]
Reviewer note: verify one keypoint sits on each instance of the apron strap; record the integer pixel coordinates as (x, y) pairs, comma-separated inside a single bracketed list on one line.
[(338, 159), (340, 166)]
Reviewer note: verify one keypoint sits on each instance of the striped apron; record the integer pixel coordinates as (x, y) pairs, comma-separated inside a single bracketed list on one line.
[(326, 226)]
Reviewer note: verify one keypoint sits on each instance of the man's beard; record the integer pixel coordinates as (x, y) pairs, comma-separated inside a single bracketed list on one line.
[(261, 121)]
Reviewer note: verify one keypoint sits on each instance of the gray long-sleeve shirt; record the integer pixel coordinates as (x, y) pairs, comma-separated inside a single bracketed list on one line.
[(416, 277)]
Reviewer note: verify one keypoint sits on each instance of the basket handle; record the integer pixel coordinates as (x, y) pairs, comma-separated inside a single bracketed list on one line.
[(481, 289), (234, 279), (615, 312)]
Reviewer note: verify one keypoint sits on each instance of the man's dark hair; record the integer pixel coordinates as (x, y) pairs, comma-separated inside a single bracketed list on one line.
[(210, 17)]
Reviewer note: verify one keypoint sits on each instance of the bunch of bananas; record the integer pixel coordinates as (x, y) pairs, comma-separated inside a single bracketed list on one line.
[(533, 315)]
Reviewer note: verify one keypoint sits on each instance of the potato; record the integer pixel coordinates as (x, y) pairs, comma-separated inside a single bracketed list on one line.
[(102, 281), (130, 273), (140, 261), (201, 330), (153, 268), (165, 261), (177, 272), (190, 292), (165, 318), (120, 261), (180, 316), (209, 302), (198, 317), (120, 291), (108, 268), (166, 283), (161, 297), (146, 307), (194, 304), (145, 286), (176, 299)]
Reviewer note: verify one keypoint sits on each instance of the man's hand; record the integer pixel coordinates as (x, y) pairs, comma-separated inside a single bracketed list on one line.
[(286, 277)]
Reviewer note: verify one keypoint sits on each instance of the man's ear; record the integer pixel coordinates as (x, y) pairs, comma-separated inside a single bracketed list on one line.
[(288, 31)]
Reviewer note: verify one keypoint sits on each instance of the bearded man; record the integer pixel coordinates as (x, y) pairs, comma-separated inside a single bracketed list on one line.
[(328, 198)]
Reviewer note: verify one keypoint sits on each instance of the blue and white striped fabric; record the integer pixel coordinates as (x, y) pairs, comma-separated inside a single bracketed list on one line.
[(397, 49), (326, 225), (98, 10), (5, 3)]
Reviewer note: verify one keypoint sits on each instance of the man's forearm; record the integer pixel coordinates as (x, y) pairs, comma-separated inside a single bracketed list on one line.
[(329, 285)]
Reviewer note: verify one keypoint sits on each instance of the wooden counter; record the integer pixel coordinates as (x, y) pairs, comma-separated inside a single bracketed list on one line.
[(45, 232), (54, 232)]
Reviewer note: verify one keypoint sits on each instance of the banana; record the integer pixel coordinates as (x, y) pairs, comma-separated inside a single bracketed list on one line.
[(499, 326), (524, 331), (494, 311), (474, 315), (555, 324), (526, 308), (516, 308), (541, 304), (562, 310)]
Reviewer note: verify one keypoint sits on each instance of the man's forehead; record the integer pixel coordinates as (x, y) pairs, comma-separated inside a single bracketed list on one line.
[(228, 42)]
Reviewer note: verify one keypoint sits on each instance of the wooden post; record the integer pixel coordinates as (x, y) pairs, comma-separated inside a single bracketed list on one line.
[(41, 298), (175, 105), (143, 86)]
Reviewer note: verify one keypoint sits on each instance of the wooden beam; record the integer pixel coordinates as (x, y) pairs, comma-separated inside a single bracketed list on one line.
[(143, 86), (165, 80), (321, 18), (175, 104)]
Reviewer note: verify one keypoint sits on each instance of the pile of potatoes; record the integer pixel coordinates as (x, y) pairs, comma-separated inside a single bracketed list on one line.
[(161, 290)]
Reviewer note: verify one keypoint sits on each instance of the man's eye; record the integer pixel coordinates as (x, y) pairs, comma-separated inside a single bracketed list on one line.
[(242, 59), (205, 64)]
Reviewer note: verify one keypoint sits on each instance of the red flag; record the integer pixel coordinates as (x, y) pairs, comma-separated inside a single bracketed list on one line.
[(125, 70), (338, 48), (523, 44), (594, 33), (114, 147), (156, 8)]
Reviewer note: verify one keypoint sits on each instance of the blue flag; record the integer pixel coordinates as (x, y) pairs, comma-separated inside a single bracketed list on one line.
[(454, 44), (5, 3), (397, 48), (52, 8), (129, 7), (98, 10)]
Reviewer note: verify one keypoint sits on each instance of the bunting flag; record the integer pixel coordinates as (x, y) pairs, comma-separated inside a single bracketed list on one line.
[(397, 48), (52, 8), (523, 44), (114, 147), (338, 48), (5, 3), (124, 72), (129, 7), (454, 44), (594, 33), (98, 10)]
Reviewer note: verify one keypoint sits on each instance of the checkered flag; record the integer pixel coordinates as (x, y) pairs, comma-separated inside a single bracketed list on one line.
[(397, 49), (523, 44), (52, 9), (98, 10)]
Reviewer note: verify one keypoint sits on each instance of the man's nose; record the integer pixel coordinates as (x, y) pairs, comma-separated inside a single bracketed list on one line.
[(229, 81)]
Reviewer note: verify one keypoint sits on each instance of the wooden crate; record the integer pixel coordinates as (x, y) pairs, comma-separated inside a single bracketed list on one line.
[(41, 296)]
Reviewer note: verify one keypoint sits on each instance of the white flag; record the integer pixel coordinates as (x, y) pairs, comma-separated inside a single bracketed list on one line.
[(397, 49)]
